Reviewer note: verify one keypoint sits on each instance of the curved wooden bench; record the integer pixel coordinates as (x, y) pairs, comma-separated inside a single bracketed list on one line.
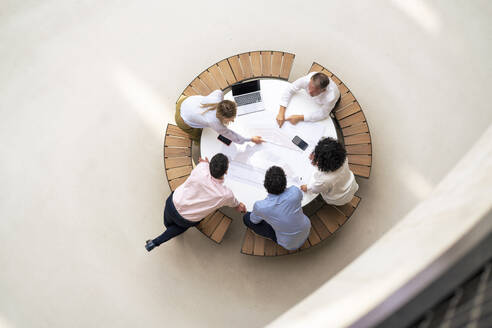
[(353, 124), (178, 166), (238, 68), (326, 221)]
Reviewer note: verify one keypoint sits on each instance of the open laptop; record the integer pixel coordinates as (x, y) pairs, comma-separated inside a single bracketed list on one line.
[(247, 96)]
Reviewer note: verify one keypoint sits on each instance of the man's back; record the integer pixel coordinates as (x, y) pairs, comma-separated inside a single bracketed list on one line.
[(284, 213), (201, 194)]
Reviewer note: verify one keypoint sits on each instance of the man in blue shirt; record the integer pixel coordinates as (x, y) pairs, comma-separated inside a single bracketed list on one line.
[(279, 216)]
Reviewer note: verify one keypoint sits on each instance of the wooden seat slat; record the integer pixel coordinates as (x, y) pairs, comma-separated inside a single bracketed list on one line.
[(306, 245), (327, 72), (315, 68), (205, 221), (266, 63), (212, 224), (349, 208), (256, 63), (189, 91), (336, 79), (173, 184), (178, 172), (249, 241), (281, 250), (343, 89), (363, 149), (270, 247), (208, 80), (355, 201), (355, 129), (356, 139), (353, 119), (287, 65), (176, 152), (329, 211), (321, 228), (202, 89), (246, 65), (347, 99), (226, 70), (259, 247), (221, 229), (360, 159), (218, 76), (360, 170), (347, 111), (236, 67), (329, 218), (177, 142), (173, 130), (314, 238), (173, 162), (276, 63)]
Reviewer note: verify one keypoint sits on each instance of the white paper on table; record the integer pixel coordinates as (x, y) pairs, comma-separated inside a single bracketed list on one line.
[(245, 173), (276, 137)]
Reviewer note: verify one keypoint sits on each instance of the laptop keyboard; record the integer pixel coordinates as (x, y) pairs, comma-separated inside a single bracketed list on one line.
[(248, 99)]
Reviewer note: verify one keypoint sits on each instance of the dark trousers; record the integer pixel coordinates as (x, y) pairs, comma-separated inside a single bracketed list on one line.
[(174, 222), (262, 228)]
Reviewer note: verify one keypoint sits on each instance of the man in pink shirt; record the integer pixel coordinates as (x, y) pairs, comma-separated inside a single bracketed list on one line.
[(201, 194)]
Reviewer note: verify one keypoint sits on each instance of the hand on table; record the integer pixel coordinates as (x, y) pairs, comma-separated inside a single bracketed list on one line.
[(257, 140), (200, 160), (241, 208), (294, 119), (280, 119), (304, 188)]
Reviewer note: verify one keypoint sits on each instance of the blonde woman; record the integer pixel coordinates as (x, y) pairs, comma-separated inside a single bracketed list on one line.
[(197, 112)]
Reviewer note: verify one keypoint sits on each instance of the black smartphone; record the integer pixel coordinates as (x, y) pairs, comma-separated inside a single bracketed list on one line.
[(300, 143), (224, 139)]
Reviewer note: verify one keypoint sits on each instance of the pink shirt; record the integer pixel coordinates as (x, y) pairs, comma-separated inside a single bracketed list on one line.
[(201, 194)]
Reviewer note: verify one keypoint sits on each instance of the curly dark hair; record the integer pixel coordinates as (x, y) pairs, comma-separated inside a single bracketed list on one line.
[(275, 180), (329, 155), (219, 165)]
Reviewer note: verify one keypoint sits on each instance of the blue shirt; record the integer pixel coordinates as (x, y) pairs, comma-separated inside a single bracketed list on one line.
[(284, 213)]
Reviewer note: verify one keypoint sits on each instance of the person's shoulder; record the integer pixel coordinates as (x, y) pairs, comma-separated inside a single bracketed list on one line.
[(293, 190), (332, 85), (217, 94), (202, 167)]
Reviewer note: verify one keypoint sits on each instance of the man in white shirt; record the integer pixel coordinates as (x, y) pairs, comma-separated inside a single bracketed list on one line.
[(320, 87)]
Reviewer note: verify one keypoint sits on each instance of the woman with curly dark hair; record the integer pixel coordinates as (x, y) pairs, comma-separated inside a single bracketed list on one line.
[(333, 178)]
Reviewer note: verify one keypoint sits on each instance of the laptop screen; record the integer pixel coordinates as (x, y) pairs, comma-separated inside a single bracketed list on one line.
[(246, 87)]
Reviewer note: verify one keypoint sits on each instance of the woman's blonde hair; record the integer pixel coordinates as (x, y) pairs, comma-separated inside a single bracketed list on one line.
[(224, 109)]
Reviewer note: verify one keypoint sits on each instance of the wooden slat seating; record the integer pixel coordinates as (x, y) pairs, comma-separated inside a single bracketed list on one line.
[(178, 165), (237, 68), (177, 156), (353, 125), (324, 223)]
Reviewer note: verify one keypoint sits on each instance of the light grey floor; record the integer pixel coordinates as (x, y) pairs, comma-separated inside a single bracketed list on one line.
[(87, 87)]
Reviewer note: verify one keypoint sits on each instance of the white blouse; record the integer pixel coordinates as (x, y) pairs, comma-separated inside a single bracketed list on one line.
[(196, 116), (336, 187), (326, 100)]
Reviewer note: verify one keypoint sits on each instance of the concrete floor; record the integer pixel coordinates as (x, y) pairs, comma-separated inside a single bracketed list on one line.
[(86, 89)]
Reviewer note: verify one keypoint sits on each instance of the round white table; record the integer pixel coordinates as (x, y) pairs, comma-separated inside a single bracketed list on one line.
[(248, 162)]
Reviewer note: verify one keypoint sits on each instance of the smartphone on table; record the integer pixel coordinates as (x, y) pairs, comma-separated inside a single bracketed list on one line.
[(300, 143), (224, 139)]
